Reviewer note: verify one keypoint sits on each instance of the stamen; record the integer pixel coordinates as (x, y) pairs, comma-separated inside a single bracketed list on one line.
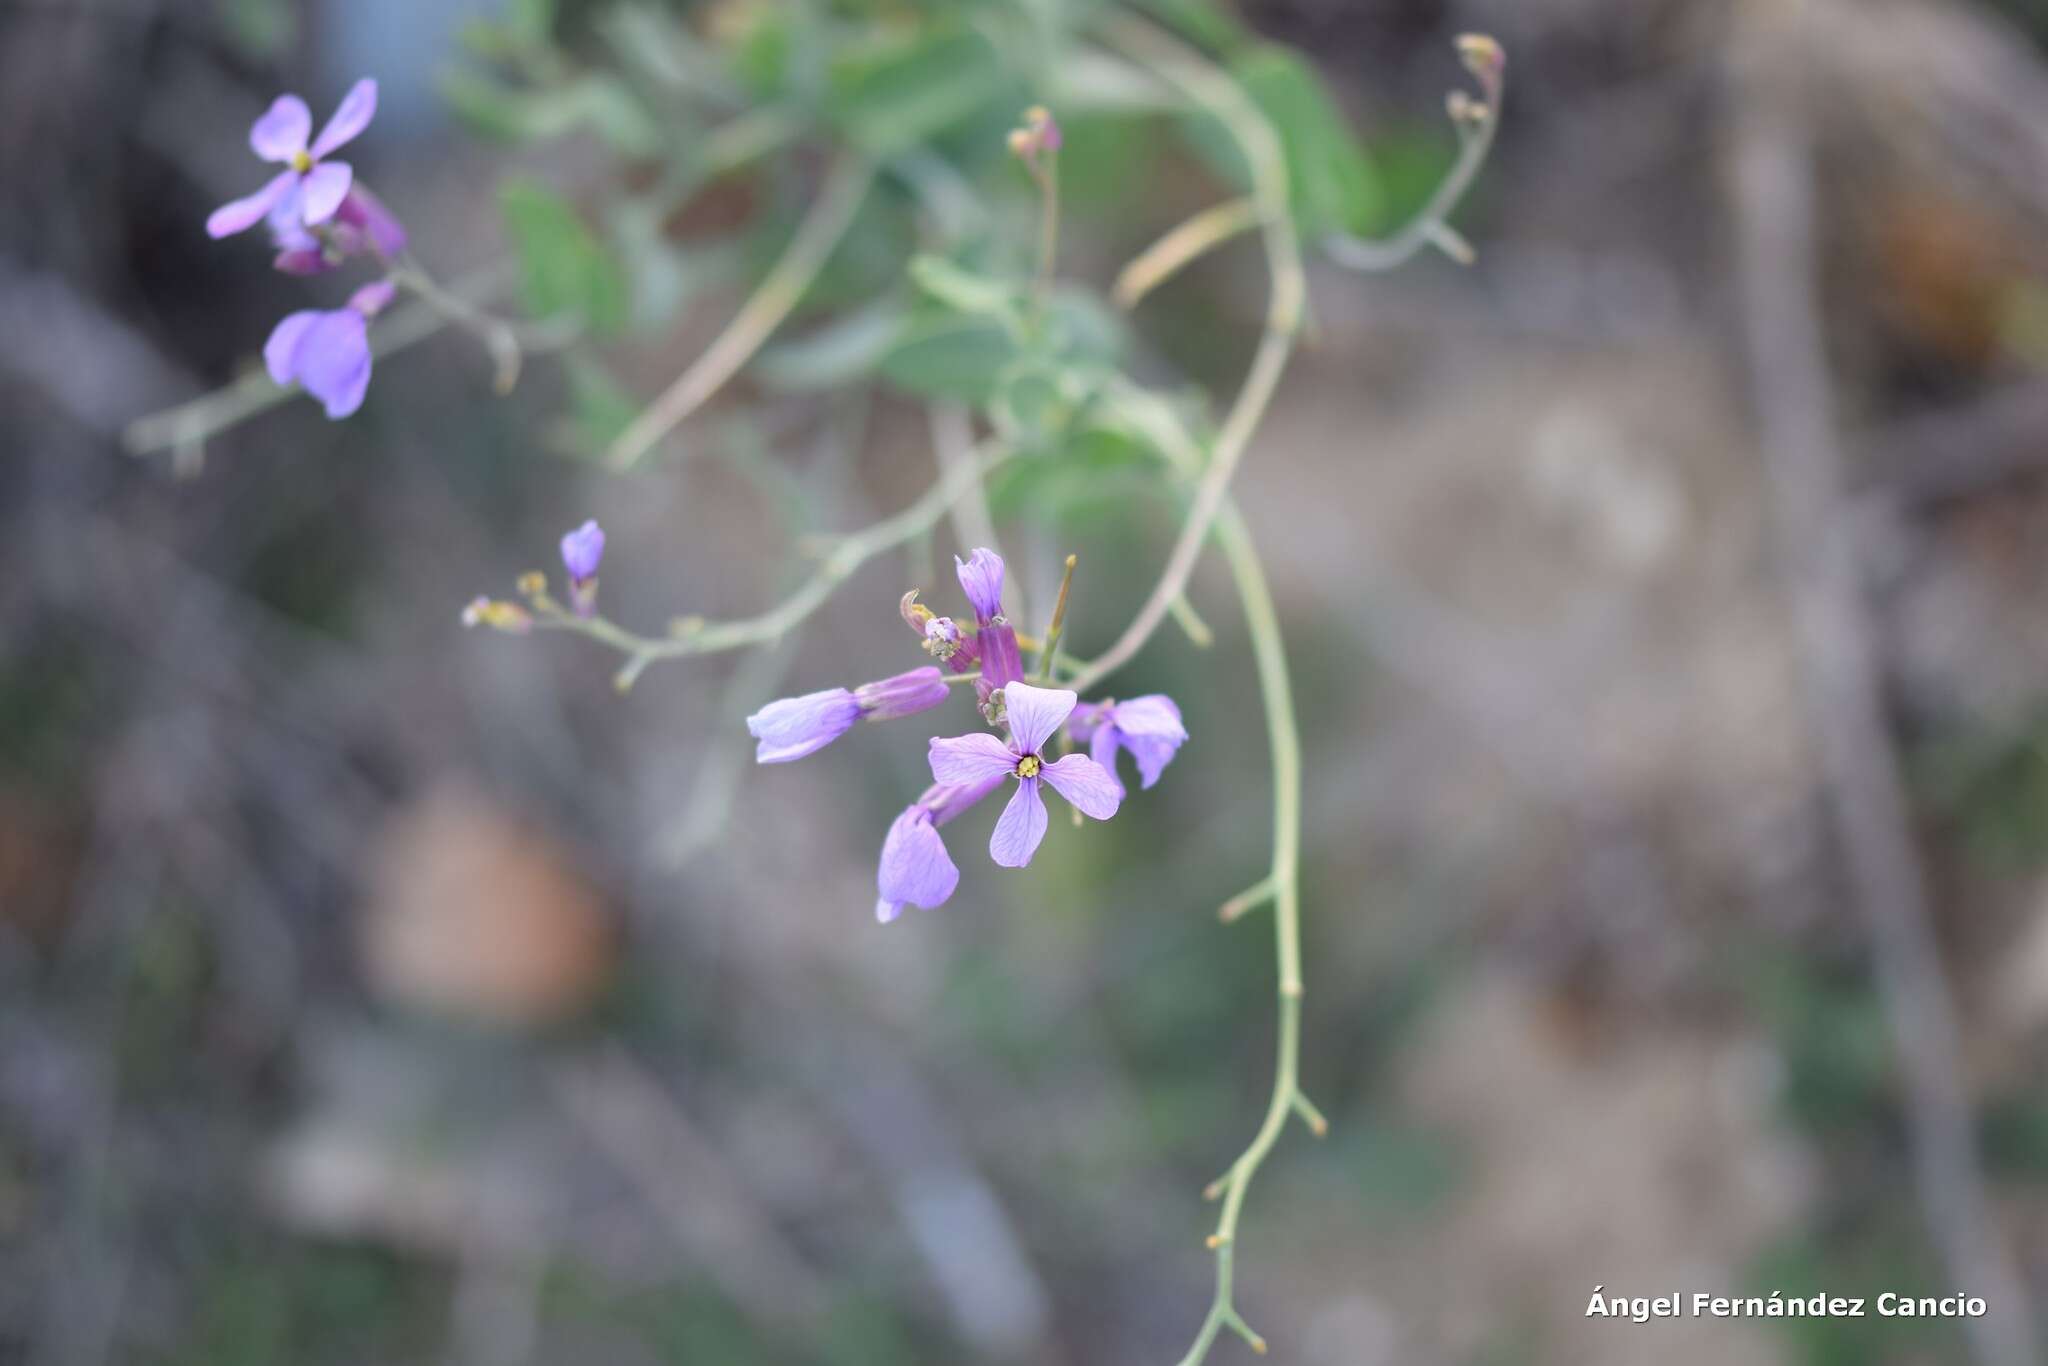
[(302, 161), (1027, 767)]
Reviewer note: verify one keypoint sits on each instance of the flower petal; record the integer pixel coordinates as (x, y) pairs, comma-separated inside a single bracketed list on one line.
[(1020, 827), (981, 579), (1153, 755), (1035, 713), (364, 210), (1103, 749), (792, 727), (970, 760), (583, 550), (281, 133), (1152, 714), (915, 867), (244, 214), (351, 117), (1092, 789), (280, 353), (904, 695), (333, 361), (322, 189)]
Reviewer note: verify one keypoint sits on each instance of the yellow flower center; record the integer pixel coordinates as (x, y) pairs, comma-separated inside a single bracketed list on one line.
[(1027, 767), (302, 161)]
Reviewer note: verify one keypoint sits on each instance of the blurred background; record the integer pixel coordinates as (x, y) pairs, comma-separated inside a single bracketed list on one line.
[(372, 990)]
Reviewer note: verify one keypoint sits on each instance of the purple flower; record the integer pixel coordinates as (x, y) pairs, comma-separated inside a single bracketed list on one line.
[(1149, 727), (1034, 714), (981, 579), (915, 869), (310, 189), (792, 727), (328, 351), (362, 223), (582, 550)]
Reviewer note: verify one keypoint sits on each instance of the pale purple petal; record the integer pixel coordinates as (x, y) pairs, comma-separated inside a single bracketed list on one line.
[(357, 108), (795, 726), (1020, 828), (302, 261), (981, 579), (280, 353), (1001, 663), (1151, 729), (915, 867), (373, 298), (322, 189), (583, 551), (1103, 747), (244, 214), (904, 695), (1035, 713), (970, 760), (1084, 719), (946, 802), (333, 361), (1092, 789), (281, 133)]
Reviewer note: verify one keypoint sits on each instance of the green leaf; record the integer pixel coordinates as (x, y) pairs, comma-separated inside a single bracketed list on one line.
[(532, 20), (894, 93), (600, 407), (949, 356), (962, 290), (562, 266), (840, 353), (1330, 183), (1095, 471), (509, 113)]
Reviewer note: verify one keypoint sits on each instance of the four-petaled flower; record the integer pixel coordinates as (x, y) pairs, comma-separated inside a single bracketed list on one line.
[(795, 726), (362, 223), (327, 351), (1149, 727), (971, 760), (310, 189)]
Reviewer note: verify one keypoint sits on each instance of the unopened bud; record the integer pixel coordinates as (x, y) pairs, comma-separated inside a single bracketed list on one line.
[(1482, 56), (509, 617), (532, 583)]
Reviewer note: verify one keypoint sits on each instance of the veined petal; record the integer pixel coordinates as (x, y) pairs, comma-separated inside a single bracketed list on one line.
[(792, 727), (981, 579), (1020, 827), (1086, 718), (970, 760), (244, 214), (322, 189), (351, 117), (280, 353), (1153, 755), (281, 133), (1092, 789), (904, 695), (1153, 714), (1035, 713), (915, 867)]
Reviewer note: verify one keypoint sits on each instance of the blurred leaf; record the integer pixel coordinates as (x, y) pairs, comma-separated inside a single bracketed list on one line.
[(948, 356), (600, 407), (532, 20), (494, 109), (1096, 472), (562, 267), (1207, 23), (902, 90), (1328, 176), (841, 352), (262, 29), (963, 290)]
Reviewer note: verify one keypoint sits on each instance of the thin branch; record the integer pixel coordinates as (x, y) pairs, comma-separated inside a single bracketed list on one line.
[(1796, 413), (1188, 242), (764, 311), (1188, 72), (694, 636), (1475, 121)]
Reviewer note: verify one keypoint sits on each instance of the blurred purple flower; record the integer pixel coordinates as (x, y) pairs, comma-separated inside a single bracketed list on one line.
[(915, 869), (327, 352), (310, 189), (1034, 714), (793, 727), (362, 223), (1149, 727), (582, 552)]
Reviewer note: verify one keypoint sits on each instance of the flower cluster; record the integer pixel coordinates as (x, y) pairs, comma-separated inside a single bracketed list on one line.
[(915, 869), (318, 216)]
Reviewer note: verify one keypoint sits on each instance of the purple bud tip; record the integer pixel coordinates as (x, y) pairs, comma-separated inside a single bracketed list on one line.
[(981, 579), (373, 298), (582, 550)]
